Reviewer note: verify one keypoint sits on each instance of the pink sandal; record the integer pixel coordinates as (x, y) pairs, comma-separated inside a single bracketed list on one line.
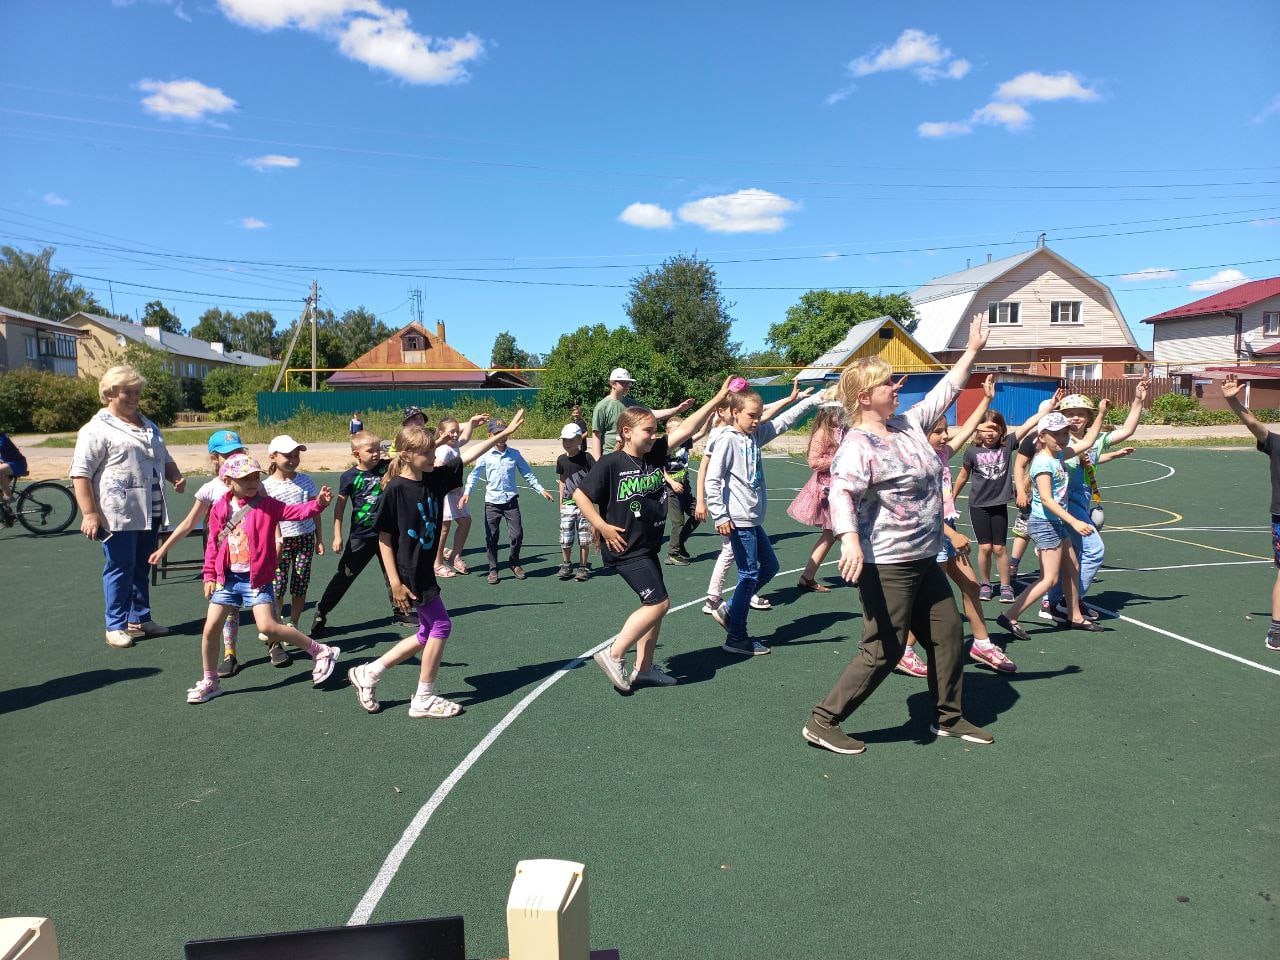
[(444, 572), (459, 565)]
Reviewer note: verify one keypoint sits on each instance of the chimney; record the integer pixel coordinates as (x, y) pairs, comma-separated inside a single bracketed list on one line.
[(1040, 240), (440, 330), (968, 262), (988, 258), (155, 333), (216, 347)]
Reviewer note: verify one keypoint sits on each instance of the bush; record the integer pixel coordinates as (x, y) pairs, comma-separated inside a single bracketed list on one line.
[(232, 392), (39, 400), (1170, 405)]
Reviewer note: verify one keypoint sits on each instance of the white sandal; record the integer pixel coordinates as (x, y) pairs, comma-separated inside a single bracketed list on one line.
[(435, 706), (761, 603)]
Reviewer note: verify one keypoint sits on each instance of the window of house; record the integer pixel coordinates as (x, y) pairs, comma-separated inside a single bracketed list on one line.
[(1271, 324), (1004, 313), (204, 370), (31, 348), (1135, 369), (1082, 368), (413, 342), (66, 346), (1064, 311)]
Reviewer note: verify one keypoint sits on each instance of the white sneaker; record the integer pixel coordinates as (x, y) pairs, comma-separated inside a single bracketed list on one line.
[(613, 669), (325, 661), (366, 688), (204, 691), (760, 603), (119, 638), (655, 675), (721, 615), (710, 607)]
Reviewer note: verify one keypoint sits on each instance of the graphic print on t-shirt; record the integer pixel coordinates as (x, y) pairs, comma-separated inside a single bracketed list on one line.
[(430, 524), (238, 549), (990, 463)]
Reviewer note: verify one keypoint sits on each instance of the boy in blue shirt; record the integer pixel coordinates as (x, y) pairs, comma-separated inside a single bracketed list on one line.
[(498, 468)]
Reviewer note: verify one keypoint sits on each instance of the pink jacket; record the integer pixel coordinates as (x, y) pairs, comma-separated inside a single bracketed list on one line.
[(259, 525)]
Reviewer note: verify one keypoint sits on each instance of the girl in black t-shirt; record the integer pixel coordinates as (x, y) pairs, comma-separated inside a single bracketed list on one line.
[(408, 528), (624, 498)]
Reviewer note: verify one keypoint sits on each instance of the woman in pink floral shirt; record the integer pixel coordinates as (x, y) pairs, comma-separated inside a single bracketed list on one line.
[(886, 511)]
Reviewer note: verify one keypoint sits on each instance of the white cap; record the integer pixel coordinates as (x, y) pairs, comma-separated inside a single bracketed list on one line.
[(1052, 423), (284, 444), (620, 373), (569, 431)]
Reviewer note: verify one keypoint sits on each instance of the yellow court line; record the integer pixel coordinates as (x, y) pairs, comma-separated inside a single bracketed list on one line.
[(1174, 517), (1203, 546)]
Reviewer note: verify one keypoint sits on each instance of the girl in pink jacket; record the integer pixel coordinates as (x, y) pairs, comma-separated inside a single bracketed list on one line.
[(239, 564)]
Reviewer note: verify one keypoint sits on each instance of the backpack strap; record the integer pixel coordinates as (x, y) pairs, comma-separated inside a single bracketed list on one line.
[(235, 519)]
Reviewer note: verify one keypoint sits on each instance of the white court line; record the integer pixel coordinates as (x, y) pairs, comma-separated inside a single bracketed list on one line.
[(1194, 643), (391, 865), (1185, 566), (1138, 483)]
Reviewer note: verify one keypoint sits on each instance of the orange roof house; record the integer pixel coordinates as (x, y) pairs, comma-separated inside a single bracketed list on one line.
[(413, 357)]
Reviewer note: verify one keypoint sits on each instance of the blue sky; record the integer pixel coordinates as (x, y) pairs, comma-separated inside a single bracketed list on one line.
[(382, 145)]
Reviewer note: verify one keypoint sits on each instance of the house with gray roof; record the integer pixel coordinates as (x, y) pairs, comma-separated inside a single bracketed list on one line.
[(29, 342), (190, 358), (1048, 317)]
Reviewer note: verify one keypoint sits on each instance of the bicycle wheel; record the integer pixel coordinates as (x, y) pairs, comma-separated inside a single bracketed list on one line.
[(45, 507)]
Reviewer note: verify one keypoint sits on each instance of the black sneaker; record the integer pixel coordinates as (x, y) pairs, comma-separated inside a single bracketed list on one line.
[(831, 737), (278, 655), (229, 666), (964, 730), (675, 560), (565, 572), (318, 627)]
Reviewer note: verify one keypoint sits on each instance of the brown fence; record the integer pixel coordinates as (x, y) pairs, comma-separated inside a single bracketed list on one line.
[(1120, 389)]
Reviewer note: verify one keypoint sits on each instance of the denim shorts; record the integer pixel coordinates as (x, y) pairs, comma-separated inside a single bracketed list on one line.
[(1275, 538), (238, 592), (1047, 534), (948, 552)]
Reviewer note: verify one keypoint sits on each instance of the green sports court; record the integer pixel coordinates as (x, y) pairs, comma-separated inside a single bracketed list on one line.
[(1127, 809)]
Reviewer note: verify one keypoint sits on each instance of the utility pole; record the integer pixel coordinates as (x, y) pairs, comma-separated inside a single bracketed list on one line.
[(315, 300), (293, 342)]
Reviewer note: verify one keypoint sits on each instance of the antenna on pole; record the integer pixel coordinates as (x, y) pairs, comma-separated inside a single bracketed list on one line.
[(415, 304)]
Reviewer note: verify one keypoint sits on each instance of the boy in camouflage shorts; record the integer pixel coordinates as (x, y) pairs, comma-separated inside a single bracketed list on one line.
[(571, 467)]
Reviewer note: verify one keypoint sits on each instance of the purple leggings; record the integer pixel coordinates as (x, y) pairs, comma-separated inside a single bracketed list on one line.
[(433, 621)]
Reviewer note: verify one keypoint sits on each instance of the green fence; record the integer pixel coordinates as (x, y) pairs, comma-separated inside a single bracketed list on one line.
[(277, 407)]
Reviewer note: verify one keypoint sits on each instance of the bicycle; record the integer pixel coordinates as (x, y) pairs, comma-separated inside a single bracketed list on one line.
[(43, 508)]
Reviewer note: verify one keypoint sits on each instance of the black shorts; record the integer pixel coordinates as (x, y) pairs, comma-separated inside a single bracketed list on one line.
[(990, 524), (643, 575)]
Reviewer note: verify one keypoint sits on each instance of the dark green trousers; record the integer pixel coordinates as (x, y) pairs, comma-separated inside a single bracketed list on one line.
[(897, 598)]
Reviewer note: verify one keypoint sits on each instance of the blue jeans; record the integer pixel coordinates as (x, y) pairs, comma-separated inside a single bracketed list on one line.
[(757, 565), (1089, 553), (126, 577)]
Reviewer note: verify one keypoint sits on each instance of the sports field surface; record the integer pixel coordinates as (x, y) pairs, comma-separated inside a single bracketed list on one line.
[(1127, 809)]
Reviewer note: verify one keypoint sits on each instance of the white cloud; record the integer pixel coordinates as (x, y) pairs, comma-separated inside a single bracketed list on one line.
[(53, 200), (747, 211), (253, 223), (366, 31), (186, 99), (1266, 222), (938, 129), (1011, 116), (1031, 86), (649, 216), (1221, 280), (844, 93), (914, 49), (1269, 110), (178, 12), (1149, 273), (272, 161)]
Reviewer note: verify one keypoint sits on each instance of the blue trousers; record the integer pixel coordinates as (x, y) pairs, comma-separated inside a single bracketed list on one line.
[(126, 577), (757, 565)]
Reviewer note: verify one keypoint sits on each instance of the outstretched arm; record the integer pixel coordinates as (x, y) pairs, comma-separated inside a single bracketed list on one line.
[(966, 429), (681, 407), (1135, 413), (978, 333), (473, 450), (1085, 443), (1231, 393), (468, 428), (693, 423), (1046, 406), (771, 410)]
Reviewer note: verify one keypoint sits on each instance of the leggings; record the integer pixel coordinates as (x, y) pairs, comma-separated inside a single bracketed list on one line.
[(716, 587), (295, 566), (433, 621)]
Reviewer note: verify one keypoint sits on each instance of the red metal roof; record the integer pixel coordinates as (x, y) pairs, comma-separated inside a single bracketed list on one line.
[(1268, 351), (408, 377), (1235, 298)]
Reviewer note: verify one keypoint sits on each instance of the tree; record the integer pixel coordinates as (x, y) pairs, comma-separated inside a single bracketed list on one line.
[(28, 282), (216, 326), (506, 355), (156, 314), (823, 318), (232, 392), (256, 332), (358, 332), (679, 311), (577, 370)]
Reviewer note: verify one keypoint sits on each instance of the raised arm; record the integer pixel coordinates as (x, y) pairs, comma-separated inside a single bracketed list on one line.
[(1231, 393), (1046, 406), (472, 451), (978, 333), (468, 428), (786, 420), (771, 410), (681, 407), (693, 423), (966, 429), (1085, 443), (1135, 413)]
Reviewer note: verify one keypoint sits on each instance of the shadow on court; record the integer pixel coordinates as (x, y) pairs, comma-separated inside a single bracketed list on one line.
[(20, 698), (500, 683)]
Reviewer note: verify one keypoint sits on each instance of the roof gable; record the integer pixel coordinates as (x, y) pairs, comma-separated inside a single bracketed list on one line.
[(390, 353), (1233, 298), (828, 364)]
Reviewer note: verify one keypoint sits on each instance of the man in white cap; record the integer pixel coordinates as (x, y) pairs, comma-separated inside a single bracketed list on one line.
[(604, 418)]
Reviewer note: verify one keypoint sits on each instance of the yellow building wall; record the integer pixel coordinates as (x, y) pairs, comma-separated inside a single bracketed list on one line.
[(899, 352)]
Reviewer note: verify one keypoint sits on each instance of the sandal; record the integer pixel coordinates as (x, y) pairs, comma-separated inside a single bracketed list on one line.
[(443, 572), (433, 706), (813, 586), (459, 564), (761, 603)]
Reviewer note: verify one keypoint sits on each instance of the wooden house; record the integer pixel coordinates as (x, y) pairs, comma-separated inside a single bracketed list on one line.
[(415, 357)]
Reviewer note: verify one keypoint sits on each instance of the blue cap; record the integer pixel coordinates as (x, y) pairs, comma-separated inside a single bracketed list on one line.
[(224, 441)]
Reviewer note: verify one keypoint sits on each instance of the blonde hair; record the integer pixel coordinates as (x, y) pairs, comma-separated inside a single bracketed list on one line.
[(629, 418), (737, 401), (363, 439), (411, 439), (117, 377), (440, 430), (859, 377)]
